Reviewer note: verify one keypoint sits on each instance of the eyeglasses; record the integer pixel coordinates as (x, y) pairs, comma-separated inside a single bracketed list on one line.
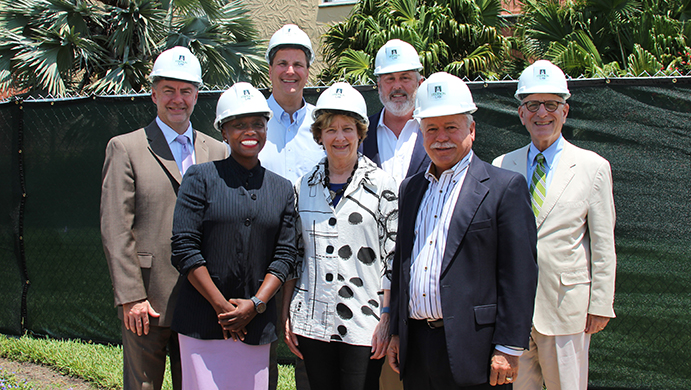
[(534, 105)]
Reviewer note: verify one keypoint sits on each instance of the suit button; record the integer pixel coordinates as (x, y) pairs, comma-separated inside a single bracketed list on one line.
[(332, 221), (247, 222), (254, 196)]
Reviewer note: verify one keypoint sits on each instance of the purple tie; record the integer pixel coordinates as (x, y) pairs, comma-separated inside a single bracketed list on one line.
[(186, 152)]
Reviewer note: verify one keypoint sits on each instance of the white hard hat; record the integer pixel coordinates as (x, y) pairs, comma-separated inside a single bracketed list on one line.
[(342, 97), (542, 77), (240, 99), (396, 56), (177, 63), (290, 35), (443, 94)]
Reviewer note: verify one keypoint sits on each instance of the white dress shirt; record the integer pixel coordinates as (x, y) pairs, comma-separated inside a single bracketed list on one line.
[(290, 150), (431, 229), (395, 152), (176, 147)]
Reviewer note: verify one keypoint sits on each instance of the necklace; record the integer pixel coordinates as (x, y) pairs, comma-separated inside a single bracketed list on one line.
[(327, 181)]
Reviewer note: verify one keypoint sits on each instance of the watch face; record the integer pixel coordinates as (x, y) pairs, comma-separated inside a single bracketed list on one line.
[(259, 305)]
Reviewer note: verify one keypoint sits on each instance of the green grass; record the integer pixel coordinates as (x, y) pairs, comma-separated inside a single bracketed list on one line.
[(98, 364), (8, 381)]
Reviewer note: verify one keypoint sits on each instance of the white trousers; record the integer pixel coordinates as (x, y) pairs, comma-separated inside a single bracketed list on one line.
[(560, 362)]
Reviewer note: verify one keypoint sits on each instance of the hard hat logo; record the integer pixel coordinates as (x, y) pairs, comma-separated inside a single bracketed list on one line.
[(437, 91), (542, 74), (181, 60), (339, 93), (246, 94), (393, 54)]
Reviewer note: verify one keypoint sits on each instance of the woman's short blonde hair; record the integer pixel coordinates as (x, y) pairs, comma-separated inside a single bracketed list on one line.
[(327, 116)]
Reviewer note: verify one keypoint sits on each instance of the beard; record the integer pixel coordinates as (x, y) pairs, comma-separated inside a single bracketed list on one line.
[(398, 108)]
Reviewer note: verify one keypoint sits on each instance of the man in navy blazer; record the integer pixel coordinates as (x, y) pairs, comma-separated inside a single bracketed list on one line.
[(464, 273), (393, 140)]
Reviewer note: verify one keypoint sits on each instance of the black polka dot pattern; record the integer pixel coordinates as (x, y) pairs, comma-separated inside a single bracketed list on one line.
[(356, 281), (345, 252), (344, 312), (355, 218), (345, 292), (366, 255)]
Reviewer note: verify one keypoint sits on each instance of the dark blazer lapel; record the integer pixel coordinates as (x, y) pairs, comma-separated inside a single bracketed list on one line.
[(472, 194), (419, 155), (560, 180), (370, 147), (160, 149), (415, 190)]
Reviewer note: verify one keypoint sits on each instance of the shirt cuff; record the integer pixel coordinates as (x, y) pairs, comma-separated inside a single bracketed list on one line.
[(513, 351)]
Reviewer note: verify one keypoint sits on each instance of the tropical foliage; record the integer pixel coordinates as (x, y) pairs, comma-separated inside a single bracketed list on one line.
[(461, 37), (600, 38), (108, 46)]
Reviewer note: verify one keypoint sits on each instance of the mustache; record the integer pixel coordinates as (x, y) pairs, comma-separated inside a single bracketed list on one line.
[(442, 145)]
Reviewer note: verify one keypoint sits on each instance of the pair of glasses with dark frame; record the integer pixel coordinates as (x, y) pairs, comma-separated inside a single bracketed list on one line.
[(534, 105)]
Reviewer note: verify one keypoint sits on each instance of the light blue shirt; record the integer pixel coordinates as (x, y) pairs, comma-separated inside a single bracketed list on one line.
[(176, 147), (290, 150), (552, 155)]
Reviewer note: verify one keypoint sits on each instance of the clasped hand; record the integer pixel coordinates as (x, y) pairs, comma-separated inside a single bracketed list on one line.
[(236, 317)]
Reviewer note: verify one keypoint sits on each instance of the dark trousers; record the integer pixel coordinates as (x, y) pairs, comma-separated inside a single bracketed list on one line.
[(427, 364), (334, 366), (144, 359)]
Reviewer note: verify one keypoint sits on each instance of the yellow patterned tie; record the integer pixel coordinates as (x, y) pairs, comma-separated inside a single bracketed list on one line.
[(538, 190)]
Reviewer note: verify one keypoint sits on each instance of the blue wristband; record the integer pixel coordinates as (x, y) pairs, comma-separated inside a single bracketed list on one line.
[(386, 310)]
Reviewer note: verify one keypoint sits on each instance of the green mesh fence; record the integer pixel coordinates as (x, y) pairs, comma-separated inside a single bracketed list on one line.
[(55, 280)]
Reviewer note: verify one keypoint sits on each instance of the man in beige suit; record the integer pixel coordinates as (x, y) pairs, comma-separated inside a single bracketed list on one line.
[(572, 200), (141, 176)]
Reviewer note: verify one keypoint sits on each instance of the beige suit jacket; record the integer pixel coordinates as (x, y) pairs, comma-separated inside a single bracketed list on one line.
[(575, 241), (140, 182)]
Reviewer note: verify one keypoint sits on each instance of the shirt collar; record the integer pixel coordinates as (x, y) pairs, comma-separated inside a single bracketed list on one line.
[(382, 124), (171, 134), (282, 116), (453, 171), (550, 153)]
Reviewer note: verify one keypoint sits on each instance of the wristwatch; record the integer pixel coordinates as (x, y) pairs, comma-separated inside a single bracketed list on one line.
[(259, 305)]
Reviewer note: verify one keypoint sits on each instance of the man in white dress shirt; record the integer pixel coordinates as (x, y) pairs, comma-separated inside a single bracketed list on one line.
[(393, 140), (290, 149)]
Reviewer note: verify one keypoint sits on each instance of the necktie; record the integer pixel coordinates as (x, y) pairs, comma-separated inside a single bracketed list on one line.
[(538, 190), (186, 152)]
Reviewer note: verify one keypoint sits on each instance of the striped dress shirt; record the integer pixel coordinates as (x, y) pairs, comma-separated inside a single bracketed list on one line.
[(431, 228)]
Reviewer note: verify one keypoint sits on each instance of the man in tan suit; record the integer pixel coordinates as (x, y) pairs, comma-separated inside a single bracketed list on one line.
[(572, 200), (141, 176)]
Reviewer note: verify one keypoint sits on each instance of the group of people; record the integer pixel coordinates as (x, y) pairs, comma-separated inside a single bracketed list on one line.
[(382, 248)]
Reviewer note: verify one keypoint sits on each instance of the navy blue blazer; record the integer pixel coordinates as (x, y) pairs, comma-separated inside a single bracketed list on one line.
[(370, 148), (489, 270)]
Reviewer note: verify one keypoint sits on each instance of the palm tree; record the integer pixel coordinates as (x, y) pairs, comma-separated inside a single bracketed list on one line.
[(108, 46), (457, 36), (600, 38)]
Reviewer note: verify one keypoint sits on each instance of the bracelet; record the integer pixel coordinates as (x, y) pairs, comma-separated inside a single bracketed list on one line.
[(386, 310)]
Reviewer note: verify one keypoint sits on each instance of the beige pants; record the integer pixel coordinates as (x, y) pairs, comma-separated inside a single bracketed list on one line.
[(389, 380), (560, 362)]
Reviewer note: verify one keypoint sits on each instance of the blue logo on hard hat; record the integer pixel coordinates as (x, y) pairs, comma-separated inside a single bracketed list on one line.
[(181, 60)]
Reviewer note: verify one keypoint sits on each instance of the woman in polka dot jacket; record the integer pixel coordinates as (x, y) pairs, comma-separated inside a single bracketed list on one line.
[(337, 319)]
